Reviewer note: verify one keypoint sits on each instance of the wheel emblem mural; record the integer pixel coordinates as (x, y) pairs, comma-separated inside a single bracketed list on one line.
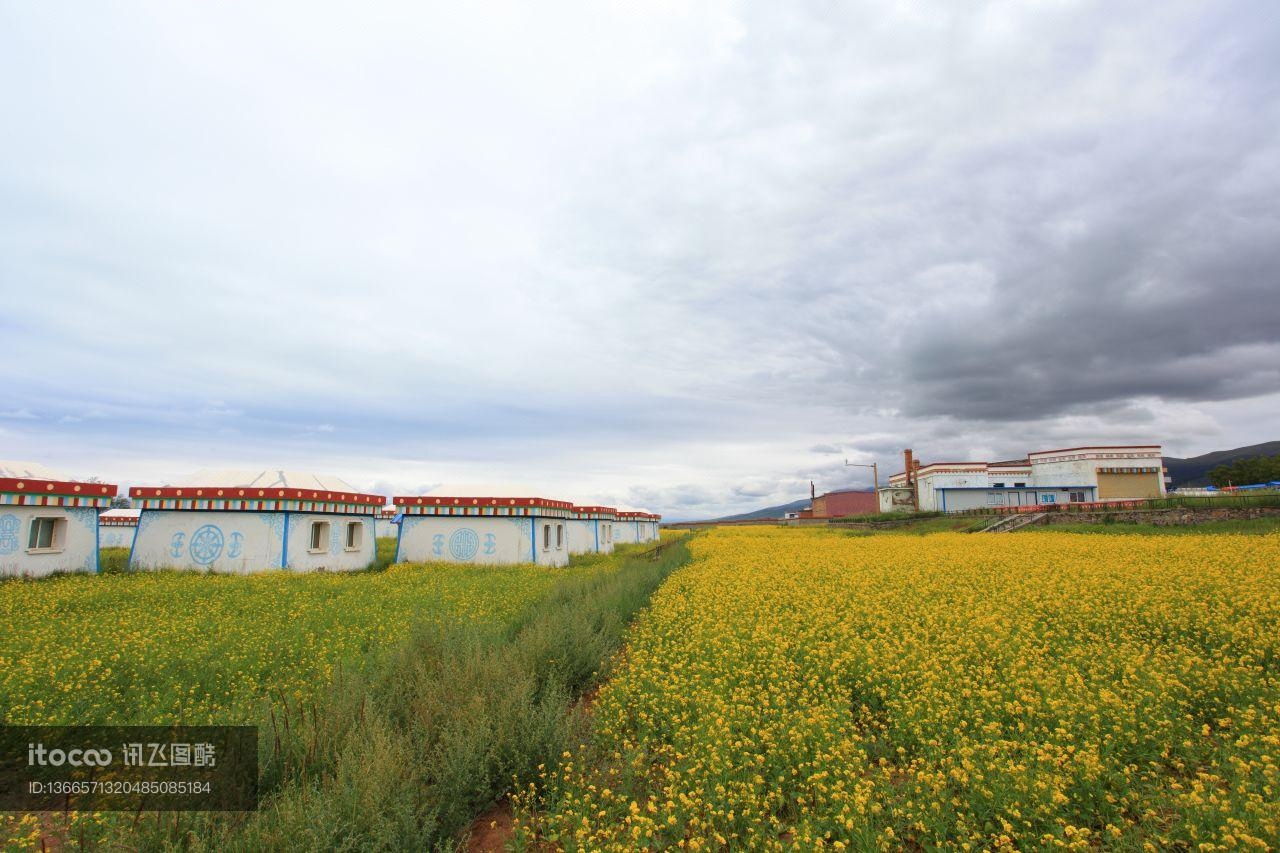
[(463, 544), (9, 525), (206, 545)]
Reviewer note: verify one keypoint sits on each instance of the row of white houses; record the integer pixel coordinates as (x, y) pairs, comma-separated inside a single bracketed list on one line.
[(243, 522)]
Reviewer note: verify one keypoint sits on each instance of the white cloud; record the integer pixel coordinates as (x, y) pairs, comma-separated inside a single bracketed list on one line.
[(641, 253)]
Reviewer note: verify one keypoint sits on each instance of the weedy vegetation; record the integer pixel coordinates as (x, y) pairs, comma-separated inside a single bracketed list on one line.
[(392, 705)]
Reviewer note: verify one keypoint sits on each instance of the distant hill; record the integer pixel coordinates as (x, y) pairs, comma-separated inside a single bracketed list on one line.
[(767, 512), (1195, 471)]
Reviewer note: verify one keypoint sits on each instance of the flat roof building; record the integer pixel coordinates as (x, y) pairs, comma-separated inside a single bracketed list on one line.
[(457, 529), (844, 502), (591, 529), (48, 521), (116, 528), (252, 521), (1043, 477)]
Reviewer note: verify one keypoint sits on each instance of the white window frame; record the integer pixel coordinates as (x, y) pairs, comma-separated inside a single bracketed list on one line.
[(356, 542), (559, 536), (57, 534), (319, 541), (546, 537)]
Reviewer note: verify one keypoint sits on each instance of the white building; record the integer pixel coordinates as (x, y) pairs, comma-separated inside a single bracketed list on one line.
[(386, 526), (456, 529), (253, 521), (591, 529), (116, 528), (1045, 477), (636, 526), (48, 522)]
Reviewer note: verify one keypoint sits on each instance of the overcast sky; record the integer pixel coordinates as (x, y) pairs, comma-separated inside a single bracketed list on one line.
[(682, 256)]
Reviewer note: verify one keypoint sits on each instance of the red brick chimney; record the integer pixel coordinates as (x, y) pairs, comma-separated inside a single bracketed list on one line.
[(910, 464)]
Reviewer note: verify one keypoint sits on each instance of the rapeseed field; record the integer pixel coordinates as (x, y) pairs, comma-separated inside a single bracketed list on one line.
[(180, 647), (796, 689)]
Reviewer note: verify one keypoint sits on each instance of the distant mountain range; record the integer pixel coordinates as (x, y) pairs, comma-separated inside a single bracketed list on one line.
[(767, 512), (1195, 471), (1183, 472)]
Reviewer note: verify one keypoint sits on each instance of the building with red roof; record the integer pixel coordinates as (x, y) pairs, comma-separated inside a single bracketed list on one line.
[(252, 521), (48, 521)]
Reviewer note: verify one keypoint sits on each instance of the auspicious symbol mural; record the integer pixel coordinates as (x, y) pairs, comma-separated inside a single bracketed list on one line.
[(464, 543), (206, 545)]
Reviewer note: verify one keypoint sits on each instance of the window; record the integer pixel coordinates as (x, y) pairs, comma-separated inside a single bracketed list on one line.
[(608, 532), (997, 485), (1047, 499), (546, 537), (1019, 485), (995, 498), (559, 536), (46, 534), (1077, 497), (319, 537), (355, 535)]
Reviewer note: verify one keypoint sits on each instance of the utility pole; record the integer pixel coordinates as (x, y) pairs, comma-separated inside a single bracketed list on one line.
[(875, 472)]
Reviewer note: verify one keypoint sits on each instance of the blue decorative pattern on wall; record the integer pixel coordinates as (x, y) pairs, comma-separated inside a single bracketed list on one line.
[(275, 521), (9, 525), (206, 545), (464, 543)]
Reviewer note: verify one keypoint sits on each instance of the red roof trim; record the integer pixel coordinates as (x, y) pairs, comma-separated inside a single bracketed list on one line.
[(577, 508), (436, 500), (1098, 447), (253, 493), (72, 488)]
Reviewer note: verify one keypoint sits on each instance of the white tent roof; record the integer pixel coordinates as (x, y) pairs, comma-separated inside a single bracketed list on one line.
[(262, 479), (31, 470), (629, 508), (490, 490)]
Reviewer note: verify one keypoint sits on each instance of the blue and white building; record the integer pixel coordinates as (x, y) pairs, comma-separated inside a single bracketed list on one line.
[(1076, 475), (48, 521), (252, 521), (492, 530)]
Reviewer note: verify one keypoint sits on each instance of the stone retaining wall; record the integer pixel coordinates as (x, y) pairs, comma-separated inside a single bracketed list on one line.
[(1162, 517)]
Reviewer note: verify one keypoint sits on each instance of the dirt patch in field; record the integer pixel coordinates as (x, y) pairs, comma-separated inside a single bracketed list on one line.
[(493, 830)]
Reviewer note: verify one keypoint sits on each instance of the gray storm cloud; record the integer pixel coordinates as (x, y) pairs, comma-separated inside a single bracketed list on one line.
[(666, 256)]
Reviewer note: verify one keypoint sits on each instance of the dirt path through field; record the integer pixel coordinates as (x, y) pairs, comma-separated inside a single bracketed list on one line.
[(493, 830)]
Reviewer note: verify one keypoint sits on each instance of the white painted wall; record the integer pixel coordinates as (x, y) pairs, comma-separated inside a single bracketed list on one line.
[(247, 542), (206, 541), (894, 499), (115, 536), (582, 535), (77, 550), (625, 533), (333, 554), (481, 539)]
